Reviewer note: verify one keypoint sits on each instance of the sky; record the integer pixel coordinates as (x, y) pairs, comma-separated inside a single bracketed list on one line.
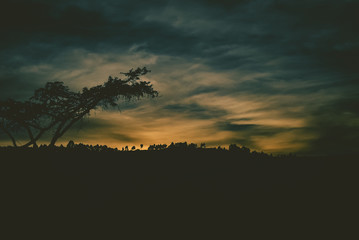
[(276, 76)]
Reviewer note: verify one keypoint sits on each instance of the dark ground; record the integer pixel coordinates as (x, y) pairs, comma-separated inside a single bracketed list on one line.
[(152, 192)]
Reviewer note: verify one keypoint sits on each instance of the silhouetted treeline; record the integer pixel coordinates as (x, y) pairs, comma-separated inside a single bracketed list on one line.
[(180, 182), (173, 147)]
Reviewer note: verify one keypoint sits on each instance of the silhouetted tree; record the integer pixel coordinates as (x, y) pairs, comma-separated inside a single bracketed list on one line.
[(6, 125), (56, 107), (192, 146), (16, 116), (233, 147), (157, 147), (70, 144)]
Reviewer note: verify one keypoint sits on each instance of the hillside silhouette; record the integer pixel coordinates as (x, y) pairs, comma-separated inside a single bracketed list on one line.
[(179, 169), (179, 184), (179, 147), (169, 187)]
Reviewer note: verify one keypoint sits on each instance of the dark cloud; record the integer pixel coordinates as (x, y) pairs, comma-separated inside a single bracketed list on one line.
[(94, 124), (227, 126), (322, 29), (310, 28), (39, 21), (336, 126), (249, 130), (223, 3), (122, 137), (203, 89), (195, 111)]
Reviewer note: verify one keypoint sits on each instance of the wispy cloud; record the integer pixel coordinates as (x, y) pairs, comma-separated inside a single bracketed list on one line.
[(277, 76)]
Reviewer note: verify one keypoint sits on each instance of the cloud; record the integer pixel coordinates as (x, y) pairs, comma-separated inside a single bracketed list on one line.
[(270, 74), (122, 137), (227, 126), (195, 110), (336, 127)]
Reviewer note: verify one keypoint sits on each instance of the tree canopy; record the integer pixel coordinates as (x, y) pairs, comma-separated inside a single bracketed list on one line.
[(55, 107)]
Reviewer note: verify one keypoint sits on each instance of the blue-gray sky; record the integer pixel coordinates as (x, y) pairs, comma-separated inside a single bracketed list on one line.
[(274, 75)]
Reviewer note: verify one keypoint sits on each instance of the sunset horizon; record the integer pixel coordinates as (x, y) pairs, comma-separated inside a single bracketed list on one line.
[(179, 119), (272, 76)]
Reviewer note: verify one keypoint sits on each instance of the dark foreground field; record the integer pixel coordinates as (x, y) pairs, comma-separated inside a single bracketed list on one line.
[(171, 190)]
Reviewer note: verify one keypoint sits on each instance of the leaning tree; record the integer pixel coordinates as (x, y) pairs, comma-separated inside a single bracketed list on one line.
[(56, 108)]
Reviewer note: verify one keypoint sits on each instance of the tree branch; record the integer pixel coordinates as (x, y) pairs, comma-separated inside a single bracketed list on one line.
[(9, 135)]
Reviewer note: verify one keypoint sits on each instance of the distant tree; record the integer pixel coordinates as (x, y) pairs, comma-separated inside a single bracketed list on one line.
[(182, 146), (192, 146), (141, 145), (56, 108), (157, 147), (70, 144), (245, 150), (233, 147), (133, 148), (171, 146), (161, 146)]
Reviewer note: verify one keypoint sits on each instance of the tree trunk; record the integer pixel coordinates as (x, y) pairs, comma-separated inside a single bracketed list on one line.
[(57, 134), (9, 135), (60, 132), (54, 140), (31, 136), (34, 139), (61, 129)]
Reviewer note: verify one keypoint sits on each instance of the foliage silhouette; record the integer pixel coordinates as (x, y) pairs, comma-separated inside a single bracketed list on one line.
[(173, 148), (88, 180), (55, 107), (15, 115)]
